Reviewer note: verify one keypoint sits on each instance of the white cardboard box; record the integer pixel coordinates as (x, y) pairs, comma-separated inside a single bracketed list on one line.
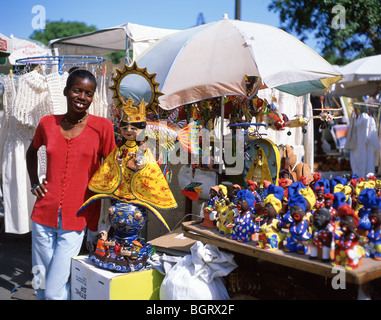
[(89, 282)]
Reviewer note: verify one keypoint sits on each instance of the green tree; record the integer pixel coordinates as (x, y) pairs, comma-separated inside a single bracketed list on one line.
[(60, 29), (345, 29)]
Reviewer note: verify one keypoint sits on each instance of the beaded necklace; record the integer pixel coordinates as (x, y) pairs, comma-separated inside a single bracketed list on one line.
[(345, 244), (78, 121)]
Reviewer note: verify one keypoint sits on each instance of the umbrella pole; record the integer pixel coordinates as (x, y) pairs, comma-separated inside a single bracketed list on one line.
[(221, 137)]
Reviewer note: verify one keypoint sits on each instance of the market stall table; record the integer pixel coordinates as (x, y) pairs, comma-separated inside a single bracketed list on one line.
[(368, 271)]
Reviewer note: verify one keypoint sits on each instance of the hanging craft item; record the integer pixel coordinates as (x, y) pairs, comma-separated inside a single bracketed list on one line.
[(272, 118), (264, 162), (192, 191)]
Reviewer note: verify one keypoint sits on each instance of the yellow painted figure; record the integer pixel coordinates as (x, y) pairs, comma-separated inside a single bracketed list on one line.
[(270, 235), (130, 172), (147, 184)]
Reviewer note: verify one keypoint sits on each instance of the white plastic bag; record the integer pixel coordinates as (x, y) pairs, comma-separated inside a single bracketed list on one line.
[(197, 276)]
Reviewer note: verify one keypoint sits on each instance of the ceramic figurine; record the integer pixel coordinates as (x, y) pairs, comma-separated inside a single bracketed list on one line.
[(339, 199), (243, 226), (368, 199), (270, 235), (235, 190), (131, 178), (299, 232), (209, 218), (322, 235), (348, 251), (253, 187), (225, 219), (209, 212), (373, 246), (301, 199), (223, 193), (319, 198), (328, 201), (103, 245), (127, 221)]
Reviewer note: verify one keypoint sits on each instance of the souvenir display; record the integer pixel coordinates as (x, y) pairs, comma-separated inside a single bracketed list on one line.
[(235, 190), (209, 213), (300, 201), (225, 218), (373, 246), (368, 200), (263, 162), (348, 251), (322, 235), (243, 226), (126, 251), (328, 201), (270, 235), (319, 198)]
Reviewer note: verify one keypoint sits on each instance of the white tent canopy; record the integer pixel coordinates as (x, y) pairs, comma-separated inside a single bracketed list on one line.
[(5, 45), (21, 49), (127, 36), (361, 77)]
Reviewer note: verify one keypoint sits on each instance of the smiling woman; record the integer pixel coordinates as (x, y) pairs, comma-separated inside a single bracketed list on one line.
[(75, 142), (79, 94)]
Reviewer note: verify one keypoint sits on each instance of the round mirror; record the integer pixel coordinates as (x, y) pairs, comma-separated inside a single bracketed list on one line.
[(137, 84), (135, 87)]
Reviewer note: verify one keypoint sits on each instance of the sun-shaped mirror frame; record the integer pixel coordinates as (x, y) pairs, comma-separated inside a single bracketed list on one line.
[(134, 69)]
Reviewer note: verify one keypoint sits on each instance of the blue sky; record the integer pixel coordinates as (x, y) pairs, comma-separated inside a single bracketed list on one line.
[(17, 16)]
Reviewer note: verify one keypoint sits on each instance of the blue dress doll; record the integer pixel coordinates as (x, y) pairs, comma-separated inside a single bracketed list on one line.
[(300, 199), (244, 227)]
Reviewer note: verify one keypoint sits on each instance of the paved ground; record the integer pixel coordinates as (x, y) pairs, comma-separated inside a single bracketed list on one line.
[(15, 267)]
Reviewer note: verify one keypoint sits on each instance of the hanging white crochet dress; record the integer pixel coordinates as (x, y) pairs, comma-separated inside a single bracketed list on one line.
[(30, 104)]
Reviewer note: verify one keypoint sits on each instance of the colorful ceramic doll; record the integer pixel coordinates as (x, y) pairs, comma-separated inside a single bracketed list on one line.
[(316, 178), (225, 219), (322, 235), (270, 235), (284, 183), (348, 251), (127, 221), (373, 246), (253, 187), (328, 201), (210, 212), (243, 226), (301, 199), (130, 172), (368, 199), (235, 190), (103, 245), (132, 179), (319, 198), (339, 199)]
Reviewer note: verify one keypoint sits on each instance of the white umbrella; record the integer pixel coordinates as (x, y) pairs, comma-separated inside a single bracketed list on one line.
[(212, 60), (360, 77)]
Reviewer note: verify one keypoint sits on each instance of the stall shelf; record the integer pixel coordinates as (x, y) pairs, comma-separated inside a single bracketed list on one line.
[(369, 270)]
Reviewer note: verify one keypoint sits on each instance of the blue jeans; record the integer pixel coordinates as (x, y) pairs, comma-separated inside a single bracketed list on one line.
[(52, 250)]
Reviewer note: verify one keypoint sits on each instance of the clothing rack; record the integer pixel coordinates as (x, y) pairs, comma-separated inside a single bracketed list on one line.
[(58, 61)]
